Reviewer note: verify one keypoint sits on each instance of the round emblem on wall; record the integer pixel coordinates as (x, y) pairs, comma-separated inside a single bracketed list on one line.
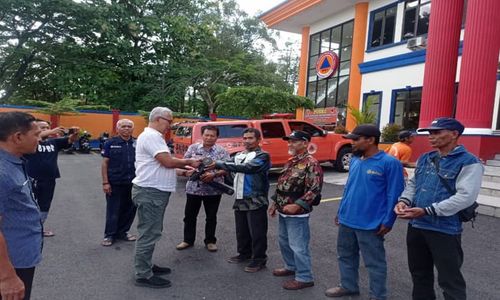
[(327, 64)]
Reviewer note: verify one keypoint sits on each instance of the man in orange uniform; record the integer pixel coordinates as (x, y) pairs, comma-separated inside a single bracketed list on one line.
[(402, 150)]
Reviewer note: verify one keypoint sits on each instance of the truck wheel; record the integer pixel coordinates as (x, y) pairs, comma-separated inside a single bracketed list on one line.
[(341, 164)]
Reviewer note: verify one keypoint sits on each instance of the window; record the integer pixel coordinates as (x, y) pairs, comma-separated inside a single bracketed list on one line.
[(272, 130), (332, 91), (406, 112), (302, 126), (382, 26), (184, 131), (374, 100), (416, 18), (231, 131)]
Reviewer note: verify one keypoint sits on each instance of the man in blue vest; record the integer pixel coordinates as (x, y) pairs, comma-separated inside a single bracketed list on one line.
[(118, 170)]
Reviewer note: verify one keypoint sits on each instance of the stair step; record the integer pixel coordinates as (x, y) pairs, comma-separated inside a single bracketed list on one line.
[(492, 169), (492, 162), (489, 188), (497, 157), (489, 206)]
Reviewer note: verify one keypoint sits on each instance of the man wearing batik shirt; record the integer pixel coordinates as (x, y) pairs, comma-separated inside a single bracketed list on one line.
[(198, 191), (298, 189)]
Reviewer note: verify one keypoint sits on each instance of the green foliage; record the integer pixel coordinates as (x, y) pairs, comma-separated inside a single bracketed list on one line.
[(390, 133), (145, 115), (363, 115), (253, 102), (340, 129), (64, 107)]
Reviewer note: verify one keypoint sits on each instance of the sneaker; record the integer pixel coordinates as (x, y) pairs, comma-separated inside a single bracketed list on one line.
[(238, 259), (296, 285), (183, 245), (157, 270), (255, 266), (154, 282), (211, 247), (339, 291)]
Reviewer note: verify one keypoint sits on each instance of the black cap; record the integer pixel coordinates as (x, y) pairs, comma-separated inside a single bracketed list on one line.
[(405, 134), (446, 124), (298, 135), (365, 130)]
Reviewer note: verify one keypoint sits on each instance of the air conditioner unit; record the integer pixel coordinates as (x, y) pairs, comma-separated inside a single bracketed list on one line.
[(417, 43)]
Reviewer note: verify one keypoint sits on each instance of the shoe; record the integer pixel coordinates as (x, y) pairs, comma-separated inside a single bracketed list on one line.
[(282, 272), (238, 259), (154, 282), (211, 247), (106, 242), (157, 270), (183, 246), (255, 266), (128, 238), (296, 285), (339, 291), (48, 233)]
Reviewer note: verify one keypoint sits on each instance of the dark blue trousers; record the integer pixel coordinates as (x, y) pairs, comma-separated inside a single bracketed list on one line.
[(120, 211)]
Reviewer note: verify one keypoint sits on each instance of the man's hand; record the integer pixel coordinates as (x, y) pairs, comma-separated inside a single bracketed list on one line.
[(272, 210), (74, 136), (106, 188), (383, 230), (400, 207), (210, 166), (412, 213), (195, 163), (189, 171), (337, 221), (12, 288), (59, 131), (292, 209), (207, 177)]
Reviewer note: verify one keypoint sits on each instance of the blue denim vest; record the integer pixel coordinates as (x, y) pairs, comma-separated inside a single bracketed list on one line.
[(429, 188)]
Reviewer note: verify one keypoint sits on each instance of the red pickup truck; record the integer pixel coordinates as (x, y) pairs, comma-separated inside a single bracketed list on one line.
[(331, 147)]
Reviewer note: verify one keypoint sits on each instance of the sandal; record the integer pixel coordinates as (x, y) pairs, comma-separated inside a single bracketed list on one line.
[(129, 238), (106, 242), (48, 233)]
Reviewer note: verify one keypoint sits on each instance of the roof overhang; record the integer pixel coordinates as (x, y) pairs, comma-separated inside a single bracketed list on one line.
[(293, 15)]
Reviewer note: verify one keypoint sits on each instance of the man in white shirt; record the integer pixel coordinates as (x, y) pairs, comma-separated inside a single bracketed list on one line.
[(154, 182)]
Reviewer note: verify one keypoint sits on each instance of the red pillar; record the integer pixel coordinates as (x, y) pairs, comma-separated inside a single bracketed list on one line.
[(441, 60), (476, 91), (116, 118), (54, 121)]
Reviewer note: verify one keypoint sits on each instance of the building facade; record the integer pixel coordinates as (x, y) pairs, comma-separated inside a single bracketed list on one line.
[(412, 60)]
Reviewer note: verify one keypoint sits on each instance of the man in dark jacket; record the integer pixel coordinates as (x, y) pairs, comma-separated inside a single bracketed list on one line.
[(299, 186), (250, 207)]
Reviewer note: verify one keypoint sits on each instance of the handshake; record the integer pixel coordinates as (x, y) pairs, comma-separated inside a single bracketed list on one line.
[(199, 173)]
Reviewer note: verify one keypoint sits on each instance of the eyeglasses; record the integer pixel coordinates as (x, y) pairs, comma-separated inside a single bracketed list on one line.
[(168, 120)]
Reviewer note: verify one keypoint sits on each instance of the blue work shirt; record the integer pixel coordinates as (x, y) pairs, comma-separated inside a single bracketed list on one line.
[(121, 154), (43, 164), (21, 222), (372, 190)]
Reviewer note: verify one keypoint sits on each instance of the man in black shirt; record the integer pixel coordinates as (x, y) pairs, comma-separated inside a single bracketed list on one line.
[(42, 166)]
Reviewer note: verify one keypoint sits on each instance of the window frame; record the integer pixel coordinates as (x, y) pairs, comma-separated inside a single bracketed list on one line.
[(372, 19), (380, 95), (417, 13), (394, 103)]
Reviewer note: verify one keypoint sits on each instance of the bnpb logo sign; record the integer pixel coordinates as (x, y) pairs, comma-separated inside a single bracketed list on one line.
[(327, 64)]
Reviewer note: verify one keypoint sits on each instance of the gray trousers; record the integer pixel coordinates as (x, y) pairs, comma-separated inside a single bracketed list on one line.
[(151, 204)]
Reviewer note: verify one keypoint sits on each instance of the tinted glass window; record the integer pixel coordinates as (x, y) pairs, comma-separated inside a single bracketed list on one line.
[(231, 131), (272, 130), (302, 126)]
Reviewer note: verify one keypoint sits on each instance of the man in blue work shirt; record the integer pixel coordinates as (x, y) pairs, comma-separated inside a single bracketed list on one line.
[(366, 214), (20, 223), (118, 170), (42, 166)]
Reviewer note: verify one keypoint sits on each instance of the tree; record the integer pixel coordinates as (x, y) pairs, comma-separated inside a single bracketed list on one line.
[(365, 115), (253, 102)]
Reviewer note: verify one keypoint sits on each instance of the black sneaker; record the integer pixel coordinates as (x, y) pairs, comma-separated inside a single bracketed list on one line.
[(157, 270), (238, 259), (255, 266), (154, 282)]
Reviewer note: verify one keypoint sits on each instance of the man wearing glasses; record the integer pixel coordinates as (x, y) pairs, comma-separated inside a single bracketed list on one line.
[(154, 182)]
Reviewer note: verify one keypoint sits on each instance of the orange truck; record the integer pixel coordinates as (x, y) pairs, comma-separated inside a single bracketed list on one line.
[(330, 147)]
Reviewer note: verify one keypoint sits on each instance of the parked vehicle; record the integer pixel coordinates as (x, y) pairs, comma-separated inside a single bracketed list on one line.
[(330, 147)]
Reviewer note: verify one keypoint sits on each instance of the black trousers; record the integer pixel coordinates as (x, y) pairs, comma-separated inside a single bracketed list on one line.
[(251, 233), (193, 205), (26, 276), (44, 193), (427, 249), (120, 211)]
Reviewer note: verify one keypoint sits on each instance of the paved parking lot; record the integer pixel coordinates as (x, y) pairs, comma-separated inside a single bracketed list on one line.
[(75, 266)]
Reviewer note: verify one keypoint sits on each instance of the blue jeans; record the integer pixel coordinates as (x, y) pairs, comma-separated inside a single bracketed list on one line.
[(350, 242), (294, 239)]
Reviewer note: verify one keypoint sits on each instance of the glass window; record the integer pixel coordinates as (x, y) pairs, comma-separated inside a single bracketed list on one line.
[(374, 105), (231, 131), (272, 130), (416, 18), (407, 110), (383, 23), (329, 93), (184, 131), (302, 126)]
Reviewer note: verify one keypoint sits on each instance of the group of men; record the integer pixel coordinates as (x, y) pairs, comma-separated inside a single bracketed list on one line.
[(139, 176)]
